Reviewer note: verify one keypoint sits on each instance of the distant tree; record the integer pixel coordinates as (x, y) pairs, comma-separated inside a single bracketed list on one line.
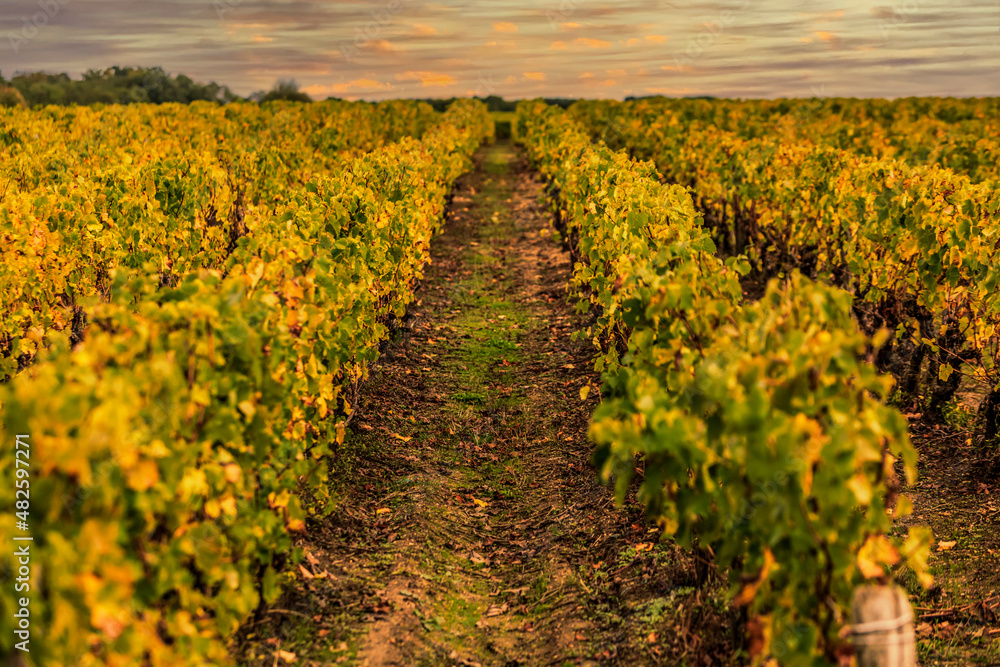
[(11, 97), (284, 89), (497, 103), (117, 85), (563, 102)]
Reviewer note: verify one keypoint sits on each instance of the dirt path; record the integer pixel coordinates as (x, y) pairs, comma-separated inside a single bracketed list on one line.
[(958, 620), (471, 528)]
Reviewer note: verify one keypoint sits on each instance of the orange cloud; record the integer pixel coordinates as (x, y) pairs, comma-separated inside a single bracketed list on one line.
[(592, 43), (671, 91), (423, 30), (350, 86), (261, 39), (383, 46), (535, 76), (828, 37), (649, 39), (504, 26), (233, 28), (616, 72), (557, 46), (427, 79), (569, 25)]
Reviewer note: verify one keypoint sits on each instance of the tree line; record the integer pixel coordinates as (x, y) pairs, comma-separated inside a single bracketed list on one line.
[(130, 85)]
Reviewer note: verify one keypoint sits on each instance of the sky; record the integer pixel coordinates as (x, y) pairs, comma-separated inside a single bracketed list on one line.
[(549, 48)]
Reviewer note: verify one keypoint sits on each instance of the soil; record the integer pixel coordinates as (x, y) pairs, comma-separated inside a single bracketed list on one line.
[(471, 528)]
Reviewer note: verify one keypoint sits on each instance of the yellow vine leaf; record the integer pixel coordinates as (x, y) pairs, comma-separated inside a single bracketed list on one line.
[(749, 590), (875, 553)]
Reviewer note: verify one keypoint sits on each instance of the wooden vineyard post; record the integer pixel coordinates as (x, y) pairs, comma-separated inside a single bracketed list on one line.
[(882, 627)]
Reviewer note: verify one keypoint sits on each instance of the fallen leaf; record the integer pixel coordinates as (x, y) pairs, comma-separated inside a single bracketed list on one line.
[(584, 390), (287, 656), (382, 510), (404, 438), (496, 610), (306, 573), (480, 503), (945, 546)]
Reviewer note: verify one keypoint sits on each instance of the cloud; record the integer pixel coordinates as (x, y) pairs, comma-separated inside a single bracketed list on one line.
[(428, 79), (423, 30), (828, 37), (357, 85), (592, 43), (383, 46), (648, 39), (504, 26), (535, 76), (671, 91), (763, 49)]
